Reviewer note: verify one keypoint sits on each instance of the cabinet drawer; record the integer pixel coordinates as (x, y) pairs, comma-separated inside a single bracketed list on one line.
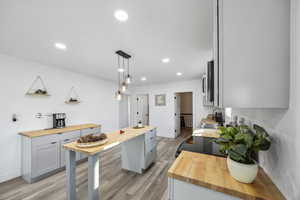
[(69, 135), (150, 134), (149, 146), (150, 157), (90, 131), (150, 143), (45, 139)]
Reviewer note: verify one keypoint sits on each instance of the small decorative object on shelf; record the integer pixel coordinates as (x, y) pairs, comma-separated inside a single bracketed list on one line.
[(37, 88), (242, 145), (73, 97)]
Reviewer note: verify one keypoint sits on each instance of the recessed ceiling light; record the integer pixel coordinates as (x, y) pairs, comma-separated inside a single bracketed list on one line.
[(60, 46), (121, 15), (121, 70), (143, 78), (165, 60), (179, 74)]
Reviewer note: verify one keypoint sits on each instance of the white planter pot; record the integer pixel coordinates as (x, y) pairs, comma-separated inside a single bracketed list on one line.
[(242, 172)]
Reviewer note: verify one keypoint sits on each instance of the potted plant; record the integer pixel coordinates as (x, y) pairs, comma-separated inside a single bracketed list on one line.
[(241, 145)]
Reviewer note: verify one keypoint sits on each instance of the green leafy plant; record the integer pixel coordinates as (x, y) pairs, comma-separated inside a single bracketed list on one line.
[(242, 143)]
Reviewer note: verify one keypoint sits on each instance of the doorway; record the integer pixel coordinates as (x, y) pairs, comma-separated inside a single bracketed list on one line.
[(183, 114), (141, 109)]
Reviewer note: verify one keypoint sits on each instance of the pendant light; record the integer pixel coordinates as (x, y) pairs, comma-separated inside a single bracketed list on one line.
[(124, 79), (124, 85), (118, 93), (128, 78)]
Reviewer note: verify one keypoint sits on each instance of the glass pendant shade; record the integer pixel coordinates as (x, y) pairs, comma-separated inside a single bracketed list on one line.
[(128, 79), (123, 87), (119, 95)]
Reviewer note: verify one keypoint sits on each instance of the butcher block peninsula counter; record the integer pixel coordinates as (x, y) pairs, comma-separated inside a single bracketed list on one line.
[(195, 174), (138, 152)]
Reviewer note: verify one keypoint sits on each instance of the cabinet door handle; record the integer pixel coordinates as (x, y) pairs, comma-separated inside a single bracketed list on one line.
[(53, 142), (66, 140)]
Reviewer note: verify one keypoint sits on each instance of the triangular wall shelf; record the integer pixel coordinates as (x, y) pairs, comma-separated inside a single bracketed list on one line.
[(37, 88), (72, 97)]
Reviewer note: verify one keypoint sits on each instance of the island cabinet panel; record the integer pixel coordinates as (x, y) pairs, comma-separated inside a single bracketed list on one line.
[(178, 190), (139, 153), (252, 53)]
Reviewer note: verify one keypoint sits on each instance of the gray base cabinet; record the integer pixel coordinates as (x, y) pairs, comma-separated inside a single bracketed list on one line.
[(139, 153), (43, 156)]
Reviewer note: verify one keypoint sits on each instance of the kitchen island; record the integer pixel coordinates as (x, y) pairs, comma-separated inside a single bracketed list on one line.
[(138, 152), (196, 174)]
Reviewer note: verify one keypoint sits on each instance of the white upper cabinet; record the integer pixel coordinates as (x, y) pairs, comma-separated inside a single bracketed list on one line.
[(252, 53)]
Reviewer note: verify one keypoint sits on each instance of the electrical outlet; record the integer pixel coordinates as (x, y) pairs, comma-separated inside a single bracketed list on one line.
[(14, 118)]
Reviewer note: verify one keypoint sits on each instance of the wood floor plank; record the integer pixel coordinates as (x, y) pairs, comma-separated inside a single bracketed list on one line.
[(115, 183)]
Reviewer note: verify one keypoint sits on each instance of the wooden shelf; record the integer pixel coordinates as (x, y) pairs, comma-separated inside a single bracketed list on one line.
[(39, 95), (75, 102), (74, 96), (41, 88)]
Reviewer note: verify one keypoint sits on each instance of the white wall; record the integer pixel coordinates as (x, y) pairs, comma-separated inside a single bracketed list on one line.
[(163, 116), (98, 105), (282, 161)]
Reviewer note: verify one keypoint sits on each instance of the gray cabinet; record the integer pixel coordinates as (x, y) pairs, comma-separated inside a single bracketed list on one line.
[(252, 53), (63, 152), (64, 139), (45, 155)]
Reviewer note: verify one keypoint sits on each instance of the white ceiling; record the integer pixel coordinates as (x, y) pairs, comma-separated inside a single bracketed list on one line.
[(179, 29)]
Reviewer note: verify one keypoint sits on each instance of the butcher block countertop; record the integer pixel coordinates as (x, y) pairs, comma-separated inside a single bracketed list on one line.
[(211, 172), (203, 132), (114, 138), (44, 132)]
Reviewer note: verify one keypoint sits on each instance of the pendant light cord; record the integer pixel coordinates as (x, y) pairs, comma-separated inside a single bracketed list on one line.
[(119, 82), (128, 66), (123, 68)]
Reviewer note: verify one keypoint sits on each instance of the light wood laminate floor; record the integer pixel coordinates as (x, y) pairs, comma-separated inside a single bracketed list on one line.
[(115, 183)]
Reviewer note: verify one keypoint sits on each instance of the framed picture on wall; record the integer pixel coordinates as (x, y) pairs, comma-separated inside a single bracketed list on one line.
[(160, 100)]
